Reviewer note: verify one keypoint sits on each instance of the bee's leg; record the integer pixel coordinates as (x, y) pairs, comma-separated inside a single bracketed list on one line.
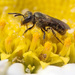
[(55, 35), (48, 28), (28, 29), (26, 26), (44, 33)]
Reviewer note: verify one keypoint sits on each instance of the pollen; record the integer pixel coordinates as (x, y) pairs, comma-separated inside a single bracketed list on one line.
[(67, 42), (2, 24)]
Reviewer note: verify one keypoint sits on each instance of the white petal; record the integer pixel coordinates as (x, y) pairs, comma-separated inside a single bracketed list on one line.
[(16, 69), (4, 64), (51, 70), (69, 69)]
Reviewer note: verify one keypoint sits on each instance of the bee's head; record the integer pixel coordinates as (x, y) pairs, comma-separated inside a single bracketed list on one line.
[(27, 17)]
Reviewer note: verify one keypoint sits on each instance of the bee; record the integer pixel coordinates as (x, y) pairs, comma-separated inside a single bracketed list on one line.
[(44, 22)]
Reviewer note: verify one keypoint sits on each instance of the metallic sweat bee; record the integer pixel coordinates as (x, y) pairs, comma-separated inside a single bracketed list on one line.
[(44, 22)]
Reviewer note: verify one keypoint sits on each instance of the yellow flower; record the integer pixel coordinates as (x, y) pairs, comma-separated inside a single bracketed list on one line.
[(31, 49)]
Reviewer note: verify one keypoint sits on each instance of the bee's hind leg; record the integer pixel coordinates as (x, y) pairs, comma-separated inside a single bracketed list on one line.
[(55, 35), (43, 32)]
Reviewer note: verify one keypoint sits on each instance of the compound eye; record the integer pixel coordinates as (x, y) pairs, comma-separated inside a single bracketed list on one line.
[(28, 19)]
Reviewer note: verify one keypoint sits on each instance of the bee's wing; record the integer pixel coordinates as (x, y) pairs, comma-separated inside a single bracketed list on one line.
[(56, 24), (61, 23)]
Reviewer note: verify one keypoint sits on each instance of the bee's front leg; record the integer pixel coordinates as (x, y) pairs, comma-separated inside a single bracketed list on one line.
[(28, 29)]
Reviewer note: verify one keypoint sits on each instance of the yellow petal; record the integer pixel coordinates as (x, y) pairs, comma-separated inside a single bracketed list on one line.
[(65, 51), (72, 53), (44, 64), (46, 51), (8, 44), (2, 24), (35, 41), (65, 59), (5, 56)]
